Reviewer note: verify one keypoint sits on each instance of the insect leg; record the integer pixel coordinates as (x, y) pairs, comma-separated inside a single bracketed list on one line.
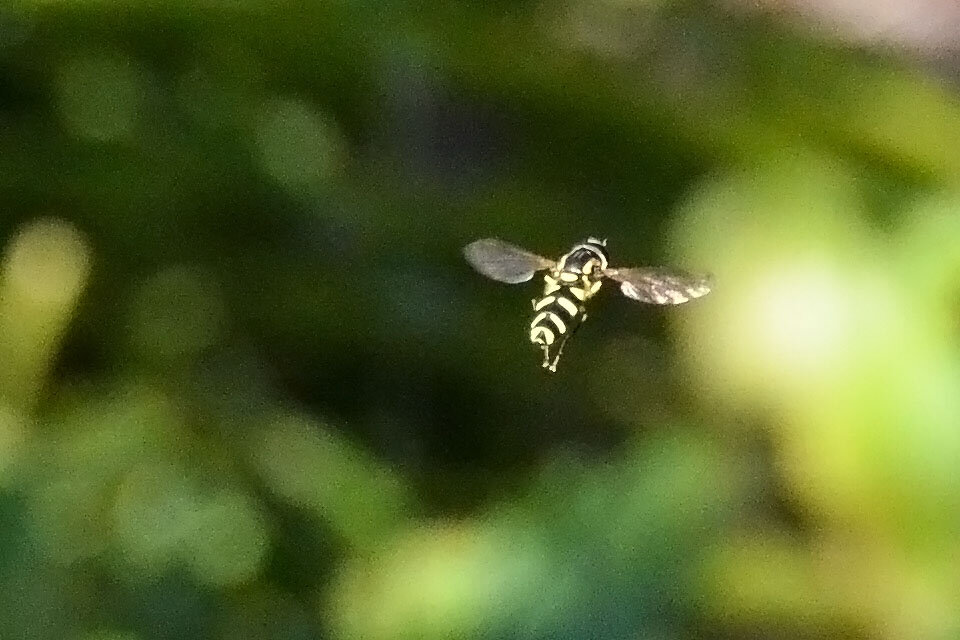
[(546, 356), (556, 358)]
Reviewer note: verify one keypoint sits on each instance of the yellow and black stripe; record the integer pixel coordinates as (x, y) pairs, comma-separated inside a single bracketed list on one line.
[(572, 280), (576, 278)]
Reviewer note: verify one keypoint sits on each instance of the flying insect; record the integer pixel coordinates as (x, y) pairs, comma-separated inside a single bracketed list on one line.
[(571, 280)]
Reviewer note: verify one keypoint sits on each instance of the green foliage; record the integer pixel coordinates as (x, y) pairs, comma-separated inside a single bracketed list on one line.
[(249, 388)]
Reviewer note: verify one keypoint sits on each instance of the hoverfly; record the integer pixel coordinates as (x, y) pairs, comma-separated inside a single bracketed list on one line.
[(572, 280)]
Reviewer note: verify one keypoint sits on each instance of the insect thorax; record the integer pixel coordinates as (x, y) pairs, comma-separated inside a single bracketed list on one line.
[(578, 272)]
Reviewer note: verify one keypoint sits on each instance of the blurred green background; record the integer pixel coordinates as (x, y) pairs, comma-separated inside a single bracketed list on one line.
[(250, 389)]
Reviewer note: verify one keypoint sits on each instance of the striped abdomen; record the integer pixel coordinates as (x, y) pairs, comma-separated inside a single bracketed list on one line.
[(555, 317), (560, 311)]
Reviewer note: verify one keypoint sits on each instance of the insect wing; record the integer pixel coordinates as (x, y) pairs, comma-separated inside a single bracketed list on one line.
[(660, 286), (503, 261)]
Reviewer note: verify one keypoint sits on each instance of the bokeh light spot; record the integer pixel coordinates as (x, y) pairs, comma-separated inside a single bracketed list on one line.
[(801, 318), (299, 147), (763, 579), (441, 581), (312, 466), (45, 269), (790, 312), (228, 543), (99, 96), (47, 262)]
